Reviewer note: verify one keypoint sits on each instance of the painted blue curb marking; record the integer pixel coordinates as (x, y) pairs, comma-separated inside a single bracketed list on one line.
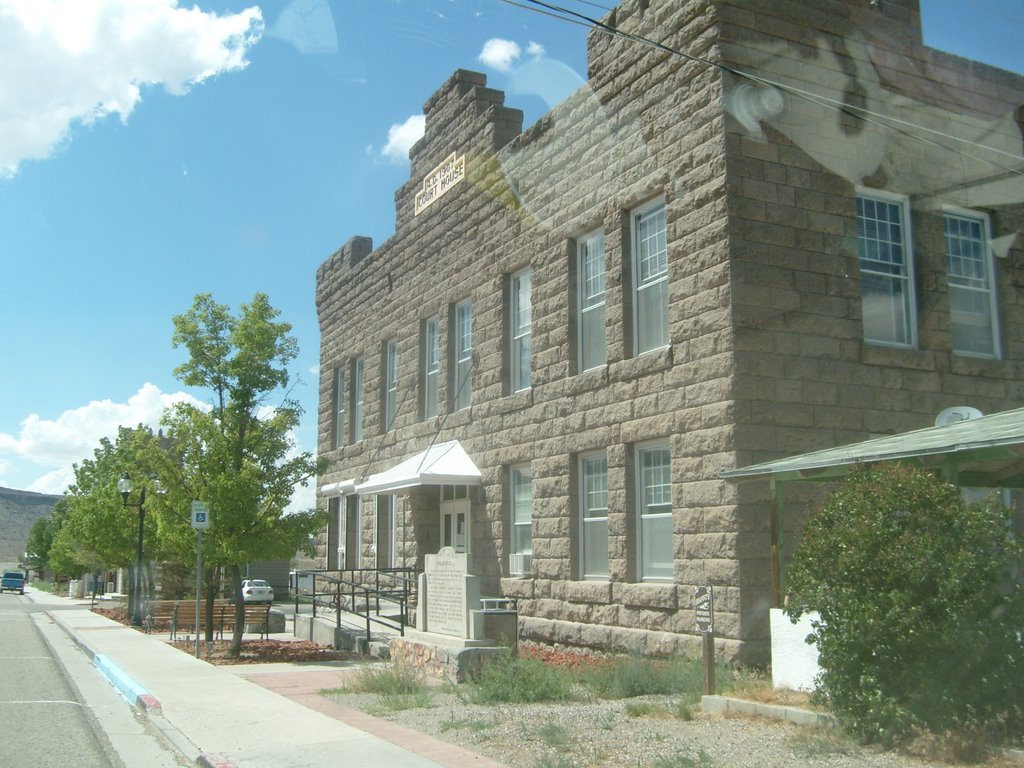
[(120, 679)]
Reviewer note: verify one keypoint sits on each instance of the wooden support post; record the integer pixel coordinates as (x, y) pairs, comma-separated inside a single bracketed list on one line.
[(709, 663)]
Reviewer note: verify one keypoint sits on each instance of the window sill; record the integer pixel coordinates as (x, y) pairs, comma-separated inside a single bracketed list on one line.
[(590, 592), (641, 365), (902, 357), (648, 594)]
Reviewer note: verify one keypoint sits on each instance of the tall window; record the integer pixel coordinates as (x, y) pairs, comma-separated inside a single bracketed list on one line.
[(462, 385), (431, 365), (886, 270), (594, 516), (654, 507), (520, 290), (590, 290), (356, 393), (338, 432), (650, 278), (390, 384), (520, 480), (972, 302), (385, 532)]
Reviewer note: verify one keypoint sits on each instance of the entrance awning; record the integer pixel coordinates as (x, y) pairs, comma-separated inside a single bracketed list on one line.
[(441, 464), (342, 488)]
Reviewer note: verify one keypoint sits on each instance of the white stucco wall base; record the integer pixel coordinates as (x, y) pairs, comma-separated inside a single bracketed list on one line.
[(794, 661)]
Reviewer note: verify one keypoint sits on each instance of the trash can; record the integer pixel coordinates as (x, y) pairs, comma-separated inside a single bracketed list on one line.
[(501, 621)]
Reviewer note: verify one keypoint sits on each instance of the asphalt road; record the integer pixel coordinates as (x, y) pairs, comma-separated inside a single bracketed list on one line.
[(56, 709)]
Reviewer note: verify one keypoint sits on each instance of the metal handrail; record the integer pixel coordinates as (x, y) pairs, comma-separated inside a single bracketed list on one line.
[(366, 584)]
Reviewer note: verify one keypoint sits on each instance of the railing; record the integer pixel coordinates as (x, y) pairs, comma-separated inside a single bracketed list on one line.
[(362, 592)]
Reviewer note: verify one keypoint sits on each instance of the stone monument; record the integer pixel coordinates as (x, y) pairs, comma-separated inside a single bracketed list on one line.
[(449, 636)]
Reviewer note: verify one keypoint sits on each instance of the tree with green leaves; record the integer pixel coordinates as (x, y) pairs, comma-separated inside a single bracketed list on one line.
[(237, 454), (40, 540), (921, 604), (99, 530)]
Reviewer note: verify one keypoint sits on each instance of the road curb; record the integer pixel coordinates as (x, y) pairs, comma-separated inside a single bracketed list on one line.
[(139, 698)]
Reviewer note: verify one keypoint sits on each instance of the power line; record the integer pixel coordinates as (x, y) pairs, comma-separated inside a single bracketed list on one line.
[(886, 122)]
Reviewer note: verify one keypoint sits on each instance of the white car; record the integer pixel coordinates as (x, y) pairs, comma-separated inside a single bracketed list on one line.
[(257, 591)]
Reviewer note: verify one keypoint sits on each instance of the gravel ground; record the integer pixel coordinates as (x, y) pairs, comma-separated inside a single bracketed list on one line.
[(604, 734)]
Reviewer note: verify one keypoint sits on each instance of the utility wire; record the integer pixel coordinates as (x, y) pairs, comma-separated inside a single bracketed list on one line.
[(887, 122)]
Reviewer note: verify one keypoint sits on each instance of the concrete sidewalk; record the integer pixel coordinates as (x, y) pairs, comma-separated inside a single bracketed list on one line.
[(246, 715)]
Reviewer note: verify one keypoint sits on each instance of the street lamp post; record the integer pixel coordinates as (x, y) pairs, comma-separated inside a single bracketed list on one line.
[(125, 485)]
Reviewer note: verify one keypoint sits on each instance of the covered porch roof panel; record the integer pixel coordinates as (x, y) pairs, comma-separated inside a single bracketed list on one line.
[(441, 464), (983, 452)]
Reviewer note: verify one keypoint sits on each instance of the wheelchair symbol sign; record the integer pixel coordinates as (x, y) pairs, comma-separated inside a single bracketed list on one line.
[(200, 515)]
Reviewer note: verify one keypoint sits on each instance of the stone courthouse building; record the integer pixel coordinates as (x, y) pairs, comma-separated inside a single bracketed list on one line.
[(786, 226)]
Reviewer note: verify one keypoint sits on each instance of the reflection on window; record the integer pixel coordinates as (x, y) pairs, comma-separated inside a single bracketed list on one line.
[(462, 385), (431, 366), (339, 408), (590, 319), (356, 390), (522, 509), (650, 278), (972, 305), (520, 330), (654, 505), (886, 275), (390, 385), (594, 516)]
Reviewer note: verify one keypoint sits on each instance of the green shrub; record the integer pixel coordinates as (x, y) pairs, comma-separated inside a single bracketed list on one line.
[(921, 604), (389, 680), (520, 680)]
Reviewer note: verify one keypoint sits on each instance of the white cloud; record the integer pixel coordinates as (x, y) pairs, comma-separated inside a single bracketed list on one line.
[(535, 49), (68, 61), (56, 444), (500, 54), (401, 138)]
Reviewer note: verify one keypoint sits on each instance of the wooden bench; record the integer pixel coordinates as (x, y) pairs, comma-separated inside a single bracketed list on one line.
[(180, 615), (161, 615), (256, 614)]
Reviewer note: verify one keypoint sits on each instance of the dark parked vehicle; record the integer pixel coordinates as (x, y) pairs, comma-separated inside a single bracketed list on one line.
[(13, 581)]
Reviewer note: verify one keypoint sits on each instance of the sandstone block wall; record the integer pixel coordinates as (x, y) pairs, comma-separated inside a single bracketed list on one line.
[(766, 355)]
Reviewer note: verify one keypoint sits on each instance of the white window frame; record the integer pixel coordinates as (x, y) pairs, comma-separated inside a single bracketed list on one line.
[(590, 293), (431, 366), (520, 329), (520, 477), (593, 506), (357, 394), (338, 436), (650, 276), (654, 518), (462, 370), (390, 385), (874, 269), (978, 286)]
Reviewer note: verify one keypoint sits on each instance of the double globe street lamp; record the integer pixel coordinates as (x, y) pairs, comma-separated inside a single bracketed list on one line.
[(125, 486)]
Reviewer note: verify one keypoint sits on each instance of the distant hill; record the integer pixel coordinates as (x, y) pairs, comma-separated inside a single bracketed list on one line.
[(18, 510)]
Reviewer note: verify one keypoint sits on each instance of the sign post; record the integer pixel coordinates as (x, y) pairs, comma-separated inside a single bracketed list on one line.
[(200, 521), (704, 616)]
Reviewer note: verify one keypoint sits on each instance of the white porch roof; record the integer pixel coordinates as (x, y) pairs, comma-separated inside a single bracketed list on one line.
[(342, 488), (441, 464)]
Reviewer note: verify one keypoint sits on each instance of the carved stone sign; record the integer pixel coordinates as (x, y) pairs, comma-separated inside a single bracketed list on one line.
[(439, 181), (447, 598)]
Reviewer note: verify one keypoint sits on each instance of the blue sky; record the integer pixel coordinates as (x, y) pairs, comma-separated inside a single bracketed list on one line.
[(232, 149)]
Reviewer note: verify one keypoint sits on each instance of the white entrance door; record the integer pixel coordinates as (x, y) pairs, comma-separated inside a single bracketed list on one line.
[(455, 517)]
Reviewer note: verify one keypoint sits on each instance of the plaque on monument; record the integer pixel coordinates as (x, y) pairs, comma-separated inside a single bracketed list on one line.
[(446, 592)]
